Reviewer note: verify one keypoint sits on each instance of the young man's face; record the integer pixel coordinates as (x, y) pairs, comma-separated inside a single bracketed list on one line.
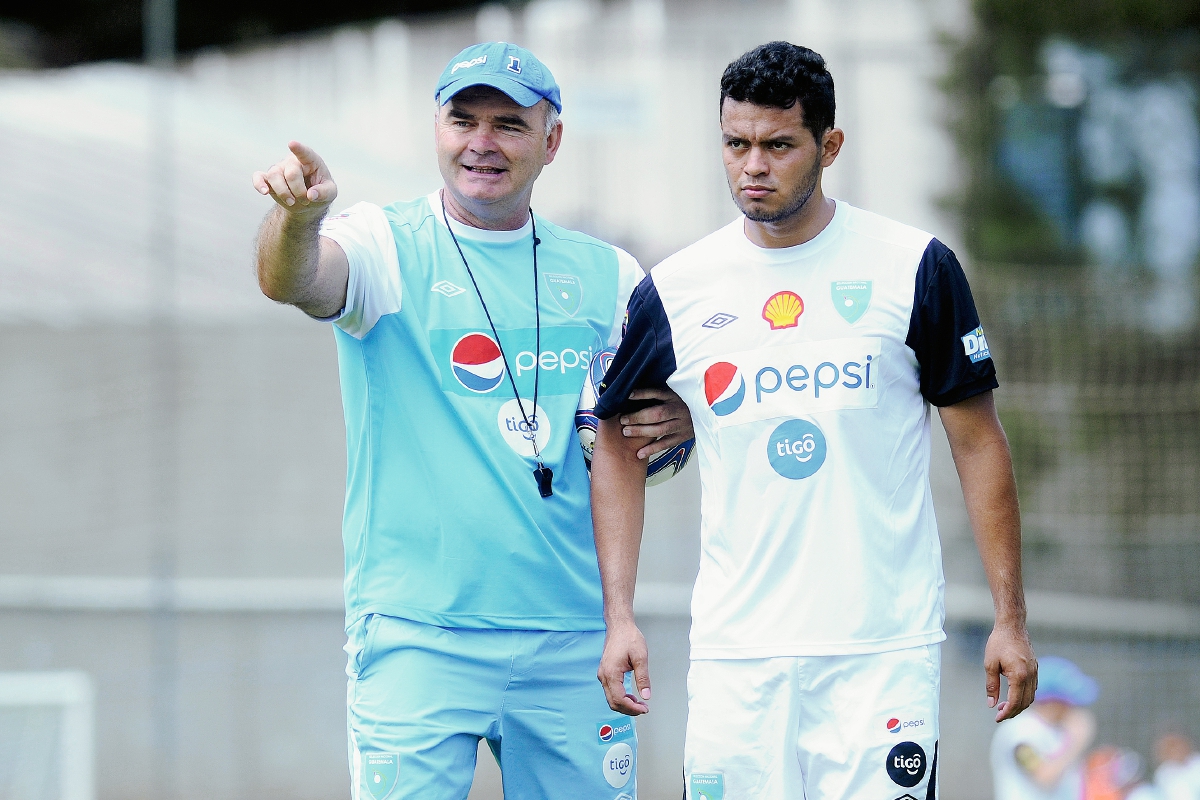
[(490, 149), (772, 162)]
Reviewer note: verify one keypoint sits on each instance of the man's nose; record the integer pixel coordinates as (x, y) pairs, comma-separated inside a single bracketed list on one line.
[(484, 140), (756, 162)]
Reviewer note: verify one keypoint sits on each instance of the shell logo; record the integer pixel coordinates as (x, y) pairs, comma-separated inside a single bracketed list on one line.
[(782, 310)]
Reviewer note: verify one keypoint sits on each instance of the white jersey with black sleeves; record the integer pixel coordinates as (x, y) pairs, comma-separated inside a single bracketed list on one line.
[(809, 372)]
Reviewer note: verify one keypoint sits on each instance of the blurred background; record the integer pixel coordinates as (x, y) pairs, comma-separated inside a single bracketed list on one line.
[(172, 455)]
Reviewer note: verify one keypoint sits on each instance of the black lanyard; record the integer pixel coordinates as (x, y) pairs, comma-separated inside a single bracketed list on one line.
[(542, 474)]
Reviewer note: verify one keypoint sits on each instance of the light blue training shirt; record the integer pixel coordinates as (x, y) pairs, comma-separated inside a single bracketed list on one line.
[(443, 522)]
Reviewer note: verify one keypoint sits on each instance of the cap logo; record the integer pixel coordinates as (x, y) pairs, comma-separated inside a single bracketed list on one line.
[(514, 65), (474, 62)]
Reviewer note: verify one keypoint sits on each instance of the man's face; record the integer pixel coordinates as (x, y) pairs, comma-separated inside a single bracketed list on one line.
[(490, 149), (772, 162)]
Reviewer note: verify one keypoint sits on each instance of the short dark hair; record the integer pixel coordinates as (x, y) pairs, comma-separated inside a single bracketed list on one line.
[(780, 74)]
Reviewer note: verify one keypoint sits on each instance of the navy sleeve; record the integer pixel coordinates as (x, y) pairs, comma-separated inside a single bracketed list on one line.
[(646, 356), (945, 333)]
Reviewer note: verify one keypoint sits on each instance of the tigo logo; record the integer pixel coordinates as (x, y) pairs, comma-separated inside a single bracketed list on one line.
[(782, 310), (893, 725), (477, 362), (724, 388), (618, 765), (975, 345), (906, 764), (521, 427), (796, 449)]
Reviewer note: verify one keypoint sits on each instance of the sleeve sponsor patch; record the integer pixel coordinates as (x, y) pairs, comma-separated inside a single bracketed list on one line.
[(975, 346)]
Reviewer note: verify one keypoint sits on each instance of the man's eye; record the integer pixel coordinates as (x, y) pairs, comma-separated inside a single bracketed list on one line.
[(778, 145)]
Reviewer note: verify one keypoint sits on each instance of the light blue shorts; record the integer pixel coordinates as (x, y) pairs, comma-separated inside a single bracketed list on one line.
[(421, 697)]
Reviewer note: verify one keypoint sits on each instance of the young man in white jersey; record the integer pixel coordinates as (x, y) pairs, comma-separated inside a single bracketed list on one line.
[(809, 339), (465, 327)]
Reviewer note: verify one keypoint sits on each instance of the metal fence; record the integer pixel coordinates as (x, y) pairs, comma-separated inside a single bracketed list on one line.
[(1102, 411)]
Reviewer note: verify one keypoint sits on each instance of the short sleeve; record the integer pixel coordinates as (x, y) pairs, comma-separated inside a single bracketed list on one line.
[(945, 333), (629, 274), (646, 356), (373, 288)]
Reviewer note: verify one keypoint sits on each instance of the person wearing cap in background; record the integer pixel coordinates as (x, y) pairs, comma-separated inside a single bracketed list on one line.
[(465, 326), (1039, 755)]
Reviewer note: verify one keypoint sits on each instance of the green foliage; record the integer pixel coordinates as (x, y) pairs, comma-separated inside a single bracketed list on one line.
[(1001, 222), (1034, 446), (1025, 23)]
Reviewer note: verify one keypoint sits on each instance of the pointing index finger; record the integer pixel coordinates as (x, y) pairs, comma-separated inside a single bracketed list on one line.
[(307, 157)]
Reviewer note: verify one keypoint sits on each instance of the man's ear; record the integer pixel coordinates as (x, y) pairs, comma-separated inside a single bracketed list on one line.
[(553, 140), (831, 145)]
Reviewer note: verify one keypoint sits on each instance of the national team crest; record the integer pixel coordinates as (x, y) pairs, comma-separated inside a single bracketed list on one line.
[(708, 786), (566, 290), (851, 299), (379, 773)]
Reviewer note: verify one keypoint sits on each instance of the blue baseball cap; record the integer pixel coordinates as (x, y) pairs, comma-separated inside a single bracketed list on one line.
[(1060, 679), (511, 69)]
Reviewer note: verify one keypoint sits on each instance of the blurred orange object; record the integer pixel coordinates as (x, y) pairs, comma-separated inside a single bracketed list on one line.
[(1110, 772)]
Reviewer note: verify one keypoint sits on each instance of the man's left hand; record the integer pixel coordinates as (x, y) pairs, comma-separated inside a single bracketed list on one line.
[(1009, 653), (668, 423)]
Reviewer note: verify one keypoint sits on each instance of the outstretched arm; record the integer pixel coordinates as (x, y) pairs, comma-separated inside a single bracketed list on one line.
[(984, 464), (295, 265), (618, 511)]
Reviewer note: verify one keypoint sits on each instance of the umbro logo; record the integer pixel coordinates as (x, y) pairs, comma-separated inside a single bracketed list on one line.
[(906, 797), (447, 288), (718, 320)]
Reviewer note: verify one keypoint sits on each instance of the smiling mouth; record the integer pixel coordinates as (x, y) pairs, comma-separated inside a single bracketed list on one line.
[(483, 170)]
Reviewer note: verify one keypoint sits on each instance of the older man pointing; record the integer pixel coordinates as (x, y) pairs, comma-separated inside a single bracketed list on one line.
[(465, 325)]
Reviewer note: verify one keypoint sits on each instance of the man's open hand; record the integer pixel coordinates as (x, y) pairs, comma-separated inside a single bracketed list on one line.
[(299, 183), (669, 423), (625, 651), (1009, 653)]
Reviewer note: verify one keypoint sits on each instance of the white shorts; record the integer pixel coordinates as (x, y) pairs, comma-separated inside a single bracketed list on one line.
[(861, 727)]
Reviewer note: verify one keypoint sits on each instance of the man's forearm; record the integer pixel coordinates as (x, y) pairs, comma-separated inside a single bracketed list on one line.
[(289, 260), (991, 497), (618, 511), (984, 464)]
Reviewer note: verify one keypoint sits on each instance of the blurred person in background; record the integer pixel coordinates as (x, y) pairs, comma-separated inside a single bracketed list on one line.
[(1040, 755), (465, 327), (810, 340), (1114, 773), (1178, 773)]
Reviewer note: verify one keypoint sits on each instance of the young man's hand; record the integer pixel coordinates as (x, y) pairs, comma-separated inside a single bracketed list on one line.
[(1009, 653), (625, 651)]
